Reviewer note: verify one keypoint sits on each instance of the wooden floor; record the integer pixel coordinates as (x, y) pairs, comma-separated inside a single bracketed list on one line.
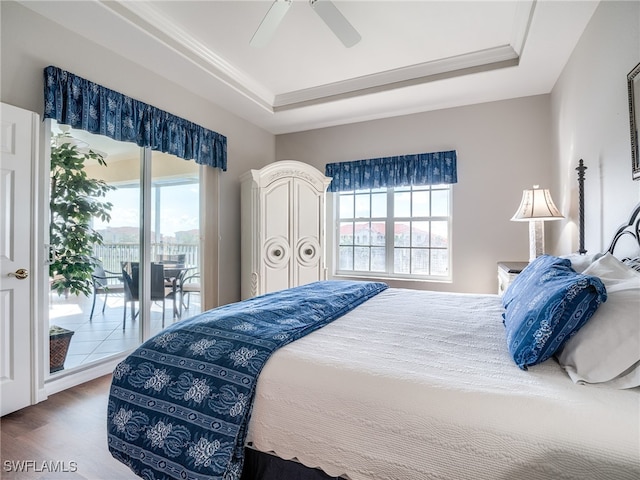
[(67, 433)]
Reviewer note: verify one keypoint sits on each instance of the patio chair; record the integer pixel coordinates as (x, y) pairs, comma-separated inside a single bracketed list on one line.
[(173, 280), (104, 283), (130, 274), (174, 260)]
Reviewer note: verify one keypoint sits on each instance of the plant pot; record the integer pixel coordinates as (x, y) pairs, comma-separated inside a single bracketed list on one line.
[(59, 340)]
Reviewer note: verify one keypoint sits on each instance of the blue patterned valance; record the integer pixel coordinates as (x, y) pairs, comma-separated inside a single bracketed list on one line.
[(419, 169), (81, 104)]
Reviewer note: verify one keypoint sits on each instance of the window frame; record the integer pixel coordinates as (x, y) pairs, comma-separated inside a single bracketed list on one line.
[(389, 222)]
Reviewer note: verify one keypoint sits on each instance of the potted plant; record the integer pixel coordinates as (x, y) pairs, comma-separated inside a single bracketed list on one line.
[(59, 339), (75, 200)]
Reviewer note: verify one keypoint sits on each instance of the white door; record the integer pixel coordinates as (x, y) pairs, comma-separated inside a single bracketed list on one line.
[(18, 148)]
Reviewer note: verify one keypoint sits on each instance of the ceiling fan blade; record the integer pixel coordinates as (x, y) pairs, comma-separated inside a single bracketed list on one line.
[(270, 23), (336, 22)]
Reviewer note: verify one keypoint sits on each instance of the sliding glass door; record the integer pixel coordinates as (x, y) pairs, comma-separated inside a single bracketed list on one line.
[(175, 234), (141, 243)]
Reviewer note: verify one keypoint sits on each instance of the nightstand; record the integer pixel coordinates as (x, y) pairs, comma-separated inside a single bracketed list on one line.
[(507, 272)]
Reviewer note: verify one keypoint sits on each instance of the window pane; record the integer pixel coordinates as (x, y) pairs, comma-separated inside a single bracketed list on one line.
[(176, 224), (439, 234), (420, 243), (378, 259), (346, 258), (379, 205), (421, 204), (361, 258), (420, 261), (377, 233), (439, 262), (361, 233), (419, 234), (402, 234), (440, 205), (346, 233), (362, 206), (401, 260), (346, 206), (402, 204)]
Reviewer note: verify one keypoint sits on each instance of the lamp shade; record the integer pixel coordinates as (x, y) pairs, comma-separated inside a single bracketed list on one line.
[(536, 204)]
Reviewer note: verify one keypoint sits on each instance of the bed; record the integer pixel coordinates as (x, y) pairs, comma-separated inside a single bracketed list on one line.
[(418, 385)]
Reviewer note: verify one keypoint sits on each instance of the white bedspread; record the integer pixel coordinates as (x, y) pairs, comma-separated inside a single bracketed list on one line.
[(419, 385)]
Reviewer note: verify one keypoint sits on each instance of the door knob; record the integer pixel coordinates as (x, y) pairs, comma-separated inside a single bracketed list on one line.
[(20, 274)]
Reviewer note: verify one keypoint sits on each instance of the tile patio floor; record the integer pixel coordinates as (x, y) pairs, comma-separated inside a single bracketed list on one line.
[(103, 336)]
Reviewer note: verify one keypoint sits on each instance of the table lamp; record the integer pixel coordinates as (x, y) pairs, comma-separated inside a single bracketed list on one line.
[(536, 207)]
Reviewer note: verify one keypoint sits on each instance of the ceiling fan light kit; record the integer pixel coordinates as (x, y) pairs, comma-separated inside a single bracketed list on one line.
[(325, 9)]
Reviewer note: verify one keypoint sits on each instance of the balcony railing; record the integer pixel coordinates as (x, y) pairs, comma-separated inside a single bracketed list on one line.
[(112, 254)]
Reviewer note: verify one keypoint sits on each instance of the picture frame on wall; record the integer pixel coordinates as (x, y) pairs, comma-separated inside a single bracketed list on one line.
[(633, 82)]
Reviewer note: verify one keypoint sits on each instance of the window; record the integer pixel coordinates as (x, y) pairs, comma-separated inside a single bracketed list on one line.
[(400, 232)]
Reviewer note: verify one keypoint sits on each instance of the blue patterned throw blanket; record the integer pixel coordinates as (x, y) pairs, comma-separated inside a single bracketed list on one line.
[(180, 404)]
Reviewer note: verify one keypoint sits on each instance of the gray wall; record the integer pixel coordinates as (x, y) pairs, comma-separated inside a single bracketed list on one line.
[(503, 147), (30, 42), (590, 118)]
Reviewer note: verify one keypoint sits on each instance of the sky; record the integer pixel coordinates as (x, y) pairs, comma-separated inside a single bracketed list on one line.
[(179, 207)]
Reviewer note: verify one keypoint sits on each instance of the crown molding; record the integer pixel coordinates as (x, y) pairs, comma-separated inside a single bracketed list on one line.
[(522, 24), (157, 26), (465, 64), (147, 19)]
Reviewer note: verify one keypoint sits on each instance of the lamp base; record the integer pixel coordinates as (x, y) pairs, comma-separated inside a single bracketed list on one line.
[(536, 239)]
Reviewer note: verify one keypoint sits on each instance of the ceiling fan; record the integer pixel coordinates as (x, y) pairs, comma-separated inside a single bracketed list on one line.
[(325, 9)]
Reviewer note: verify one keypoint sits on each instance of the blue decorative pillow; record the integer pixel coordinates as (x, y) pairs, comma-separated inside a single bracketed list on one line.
[(536, 268), (547, 307)]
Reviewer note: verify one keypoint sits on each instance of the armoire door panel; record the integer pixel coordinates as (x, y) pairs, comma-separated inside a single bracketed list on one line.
[(276, 216), (274, 279), (307, 206), (307, 232)]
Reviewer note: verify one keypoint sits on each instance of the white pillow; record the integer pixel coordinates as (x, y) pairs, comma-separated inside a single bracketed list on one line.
[(580, 262), (607, 348)]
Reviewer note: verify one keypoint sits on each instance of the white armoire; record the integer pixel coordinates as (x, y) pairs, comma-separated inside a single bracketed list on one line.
[(283, 227)]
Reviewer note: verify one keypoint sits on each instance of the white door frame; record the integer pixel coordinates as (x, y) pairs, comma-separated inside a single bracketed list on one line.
[(42, 257)]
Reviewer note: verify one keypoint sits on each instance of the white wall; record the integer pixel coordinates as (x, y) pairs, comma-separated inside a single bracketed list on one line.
[(30, 42), (503, 147), (590, 120)]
